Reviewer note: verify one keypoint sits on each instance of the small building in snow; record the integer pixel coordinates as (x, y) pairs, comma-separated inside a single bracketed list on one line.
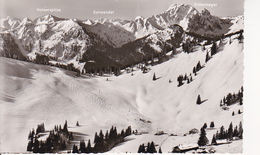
[(184, 148)]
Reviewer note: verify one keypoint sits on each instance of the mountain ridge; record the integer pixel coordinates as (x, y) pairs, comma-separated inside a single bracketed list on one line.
[(67, 40)]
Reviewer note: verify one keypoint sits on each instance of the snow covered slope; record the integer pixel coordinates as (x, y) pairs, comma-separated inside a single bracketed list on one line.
[(33, 94), (237, 23), (36, 93)]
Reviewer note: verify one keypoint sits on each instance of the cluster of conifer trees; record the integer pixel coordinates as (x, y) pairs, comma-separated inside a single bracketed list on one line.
[(103, 142), (228, 134), (238, 112), (189, 78), (150, 148), (42, 59), (189, 44), (57, 139), (203, 140), (233, 98)]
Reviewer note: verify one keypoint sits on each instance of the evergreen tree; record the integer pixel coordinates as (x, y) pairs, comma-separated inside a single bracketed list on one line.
[(59, 128), (82, 146), (129, 131), (75, 149), (141, 149), (240, 131), (111, 133), (221, 103), (30, 135), (185, 77), (154, 77), (65, 127), (225, 135), (217, 135), (198, 100), (203, 140), (96, 138), (106, 136), (123, 133), (214, 141), (29, 146), (115, 133), (152, 148), (33, 133), (88, 149), (180, 79), (240, 37), (148, 150), (160, 150), (212, 125), (191, 79), (230, 132), (233, 113), (207, 57), (222, 133), (205, 126), (77, 124), (194, 71), (101, 135), (198, 67), (188, 80), (241, 101), (235, 132), (239, 112), (213, 48)]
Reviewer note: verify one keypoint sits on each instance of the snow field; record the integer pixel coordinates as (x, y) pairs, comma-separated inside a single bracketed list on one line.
[(33, 94)]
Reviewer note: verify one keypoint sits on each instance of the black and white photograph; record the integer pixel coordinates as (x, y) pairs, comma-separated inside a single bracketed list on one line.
[(122, 76)]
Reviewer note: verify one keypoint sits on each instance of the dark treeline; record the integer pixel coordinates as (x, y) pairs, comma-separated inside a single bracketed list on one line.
[(233, 98), (56, 140), (150, 148), (228, 134), (103, 142)]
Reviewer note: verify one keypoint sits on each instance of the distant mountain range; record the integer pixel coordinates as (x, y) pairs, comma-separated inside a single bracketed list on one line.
[(105, 42)]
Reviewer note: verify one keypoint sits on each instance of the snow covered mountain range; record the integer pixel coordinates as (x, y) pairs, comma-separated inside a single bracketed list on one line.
[(67, 40), (33, 93), (148, 97)]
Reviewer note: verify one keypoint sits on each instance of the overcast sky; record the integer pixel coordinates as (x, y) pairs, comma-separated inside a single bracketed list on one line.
[(122, 9)]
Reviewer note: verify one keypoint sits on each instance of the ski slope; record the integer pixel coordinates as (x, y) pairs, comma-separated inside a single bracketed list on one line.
[(33, 94)]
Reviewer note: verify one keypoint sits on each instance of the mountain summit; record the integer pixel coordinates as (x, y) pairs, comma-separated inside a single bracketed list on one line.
[(68, 39)]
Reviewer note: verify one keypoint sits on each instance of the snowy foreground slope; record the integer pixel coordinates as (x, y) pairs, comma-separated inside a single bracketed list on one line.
[(33, 94)]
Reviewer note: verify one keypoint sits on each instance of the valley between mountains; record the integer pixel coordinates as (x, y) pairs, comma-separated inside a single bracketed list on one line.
[(165, 76)]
